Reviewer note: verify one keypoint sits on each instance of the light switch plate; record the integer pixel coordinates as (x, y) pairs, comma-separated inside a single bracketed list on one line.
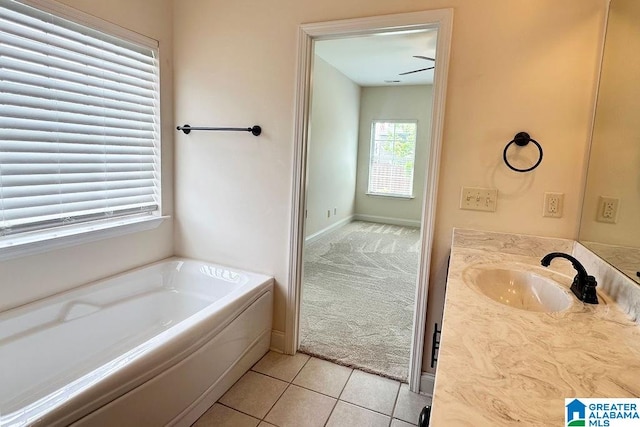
[(479, 199)]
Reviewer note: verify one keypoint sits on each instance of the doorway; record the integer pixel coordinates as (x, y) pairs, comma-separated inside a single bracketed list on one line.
[(420, 22)]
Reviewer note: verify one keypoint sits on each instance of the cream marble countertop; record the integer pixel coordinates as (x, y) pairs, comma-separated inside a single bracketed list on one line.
[(502, 366)]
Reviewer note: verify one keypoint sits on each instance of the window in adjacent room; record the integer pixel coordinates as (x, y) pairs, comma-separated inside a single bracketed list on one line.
[(392, 158), (79, 123)]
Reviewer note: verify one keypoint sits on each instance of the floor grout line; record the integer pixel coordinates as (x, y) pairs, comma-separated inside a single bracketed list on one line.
[(365, 408), (270, 376), (345, 384), (395, 402), (333, 408), (338, 398), (290, 383), (234, 409), (274, 404)]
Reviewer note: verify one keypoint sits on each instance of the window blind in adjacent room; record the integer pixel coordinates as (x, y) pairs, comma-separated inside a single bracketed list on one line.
[(79, 123), (392, 158)]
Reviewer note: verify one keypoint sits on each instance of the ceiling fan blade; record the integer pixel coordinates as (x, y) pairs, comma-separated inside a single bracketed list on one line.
[(416, 71), (424, 57)]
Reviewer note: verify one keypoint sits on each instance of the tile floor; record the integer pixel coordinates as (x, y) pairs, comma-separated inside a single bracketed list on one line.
[(303, 391)]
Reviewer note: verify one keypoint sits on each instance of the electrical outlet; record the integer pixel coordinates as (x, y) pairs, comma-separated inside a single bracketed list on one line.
[(328, 213), (608, 209), (335, 211), (553, 203), (479, 199)]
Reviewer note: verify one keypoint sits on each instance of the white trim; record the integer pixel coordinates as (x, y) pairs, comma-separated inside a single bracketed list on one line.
[(427, 383), (63, 237), (296, 238), (391, 196), (387, 220), (83, 18), (442, 19), (427, 19), (334, 226), (277, 341), (443, 50)]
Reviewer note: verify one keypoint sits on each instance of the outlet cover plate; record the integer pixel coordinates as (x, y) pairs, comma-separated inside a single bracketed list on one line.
[(553, 204), (608, 209), (479, 199)]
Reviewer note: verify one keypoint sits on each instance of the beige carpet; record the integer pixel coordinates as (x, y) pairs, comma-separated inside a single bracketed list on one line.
[(358, 297)]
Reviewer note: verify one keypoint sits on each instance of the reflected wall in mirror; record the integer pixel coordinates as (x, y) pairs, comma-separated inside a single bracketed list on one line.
[(610, 224)]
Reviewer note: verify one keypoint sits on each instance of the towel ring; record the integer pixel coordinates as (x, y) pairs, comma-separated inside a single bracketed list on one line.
[(521, 139)]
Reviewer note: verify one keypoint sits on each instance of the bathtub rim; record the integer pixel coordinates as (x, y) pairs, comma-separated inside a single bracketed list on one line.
[(251, 273)]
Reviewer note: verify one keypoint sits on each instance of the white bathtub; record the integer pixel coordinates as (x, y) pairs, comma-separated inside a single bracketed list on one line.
[(154, 346)]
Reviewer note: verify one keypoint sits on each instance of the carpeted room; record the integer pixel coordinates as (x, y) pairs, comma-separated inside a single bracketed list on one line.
[(367, 155), (358, 297)]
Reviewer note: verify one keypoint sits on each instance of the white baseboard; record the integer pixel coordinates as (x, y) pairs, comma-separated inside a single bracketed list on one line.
[(387, 220), (332, 227), (277, 341), (427, 381)]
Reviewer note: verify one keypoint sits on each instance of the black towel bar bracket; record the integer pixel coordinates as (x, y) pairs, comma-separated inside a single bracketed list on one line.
[(521, 139), (255, 129)]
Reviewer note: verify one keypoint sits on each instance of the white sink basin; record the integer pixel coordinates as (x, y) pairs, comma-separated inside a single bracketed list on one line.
[(519, 289)]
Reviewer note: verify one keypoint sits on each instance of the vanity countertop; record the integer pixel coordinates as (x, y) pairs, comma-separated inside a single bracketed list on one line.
[(503, 366)]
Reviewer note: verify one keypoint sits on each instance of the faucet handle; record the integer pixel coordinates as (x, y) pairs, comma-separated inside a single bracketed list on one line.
[(589, 294)]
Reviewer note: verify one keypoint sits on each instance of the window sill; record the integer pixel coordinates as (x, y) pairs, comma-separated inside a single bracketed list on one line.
[(392, 196), (62, 237)]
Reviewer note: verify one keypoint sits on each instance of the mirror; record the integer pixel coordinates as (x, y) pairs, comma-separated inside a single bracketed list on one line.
[(610, 225)]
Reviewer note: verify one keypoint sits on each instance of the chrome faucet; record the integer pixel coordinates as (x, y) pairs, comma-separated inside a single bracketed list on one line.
[(584, 285)]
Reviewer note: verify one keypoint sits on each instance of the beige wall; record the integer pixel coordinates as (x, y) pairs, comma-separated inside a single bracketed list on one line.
[(615, 151), (394, 103), (31, 277), (515, 65), (332, 148)]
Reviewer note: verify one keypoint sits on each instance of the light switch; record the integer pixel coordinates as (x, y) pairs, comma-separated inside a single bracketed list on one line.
[(479, 199)]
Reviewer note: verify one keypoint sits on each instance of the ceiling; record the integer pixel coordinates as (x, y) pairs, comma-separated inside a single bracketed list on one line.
[(378, 59)]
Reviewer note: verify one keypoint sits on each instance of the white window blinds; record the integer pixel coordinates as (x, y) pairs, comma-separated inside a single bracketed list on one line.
[(79, 123), (392, 158)]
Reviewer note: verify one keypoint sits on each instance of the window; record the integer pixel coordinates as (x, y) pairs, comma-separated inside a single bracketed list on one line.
[(392, 158), (79, 124)]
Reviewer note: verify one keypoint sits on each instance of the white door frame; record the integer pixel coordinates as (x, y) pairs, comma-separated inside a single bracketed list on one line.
[(442, 19)]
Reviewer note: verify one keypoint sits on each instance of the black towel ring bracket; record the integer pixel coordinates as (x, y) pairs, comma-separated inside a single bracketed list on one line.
[(521, 139)]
